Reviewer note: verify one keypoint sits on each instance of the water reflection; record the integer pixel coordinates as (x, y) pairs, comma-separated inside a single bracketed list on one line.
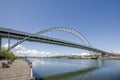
[(71, 75), (48, 67), (70, 69), (37, 62), (84, 62)]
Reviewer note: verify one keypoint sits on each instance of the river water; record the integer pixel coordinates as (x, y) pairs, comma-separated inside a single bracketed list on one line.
[(75, 69)]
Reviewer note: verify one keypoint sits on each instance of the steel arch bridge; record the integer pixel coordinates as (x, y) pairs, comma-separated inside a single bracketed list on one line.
[(69, 30), (65, 29), (38, 37)]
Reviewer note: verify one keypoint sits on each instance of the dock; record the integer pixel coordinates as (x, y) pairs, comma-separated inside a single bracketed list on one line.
[(18, 70)]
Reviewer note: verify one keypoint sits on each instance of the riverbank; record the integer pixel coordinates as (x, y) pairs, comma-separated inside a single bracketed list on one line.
[(18, 70), (87, 57)]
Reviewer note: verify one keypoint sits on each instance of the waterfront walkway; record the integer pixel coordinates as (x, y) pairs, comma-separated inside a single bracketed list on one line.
[(18, 70)]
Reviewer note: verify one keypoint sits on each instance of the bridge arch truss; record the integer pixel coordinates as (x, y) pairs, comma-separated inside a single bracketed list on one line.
[(69, 30), (65, 29)]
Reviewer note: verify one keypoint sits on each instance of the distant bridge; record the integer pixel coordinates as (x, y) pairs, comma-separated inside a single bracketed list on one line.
[(23, 36)]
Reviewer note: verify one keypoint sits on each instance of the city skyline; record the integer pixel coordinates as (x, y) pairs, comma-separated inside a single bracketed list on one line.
[(98, 21)]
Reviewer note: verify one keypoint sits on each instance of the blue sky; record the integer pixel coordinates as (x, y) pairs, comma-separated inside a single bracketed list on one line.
[(98, 20)]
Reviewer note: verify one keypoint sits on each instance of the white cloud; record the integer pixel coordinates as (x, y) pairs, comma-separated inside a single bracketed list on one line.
[(5, 46), (115, 51), (84, 53), (20, 50)]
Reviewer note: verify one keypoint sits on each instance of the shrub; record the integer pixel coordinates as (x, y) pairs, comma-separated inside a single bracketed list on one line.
[(5, 54)]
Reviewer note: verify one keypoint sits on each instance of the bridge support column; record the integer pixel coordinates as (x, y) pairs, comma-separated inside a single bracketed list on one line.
[(0, 42), (8, 41), (103, 54)]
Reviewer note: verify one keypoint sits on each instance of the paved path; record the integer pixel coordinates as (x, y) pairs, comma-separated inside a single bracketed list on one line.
[(19, 70)]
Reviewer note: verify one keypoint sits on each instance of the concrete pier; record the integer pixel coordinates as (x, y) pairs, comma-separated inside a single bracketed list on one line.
[(18, 70)]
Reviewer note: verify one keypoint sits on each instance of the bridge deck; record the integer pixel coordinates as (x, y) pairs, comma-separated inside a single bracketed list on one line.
[(14, 34), (18, 70)]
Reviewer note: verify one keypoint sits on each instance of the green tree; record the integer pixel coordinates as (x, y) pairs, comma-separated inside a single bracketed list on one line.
[(5, 54)]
